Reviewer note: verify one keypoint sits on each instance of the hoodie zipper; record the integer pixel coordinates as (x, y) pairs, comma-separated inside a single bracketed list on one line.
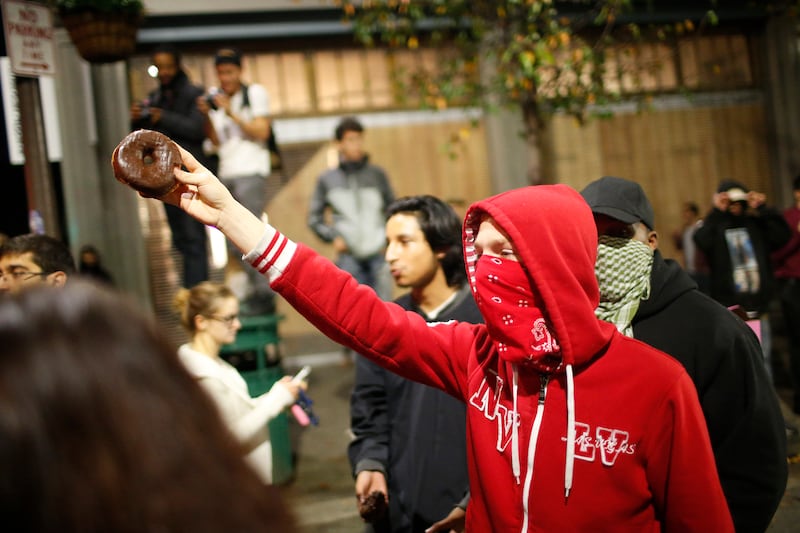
[(537, 424)]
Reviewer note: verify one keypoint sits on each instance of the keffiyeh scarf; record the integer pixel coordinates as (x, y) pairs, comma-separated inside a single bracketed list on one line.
[(623, 272)]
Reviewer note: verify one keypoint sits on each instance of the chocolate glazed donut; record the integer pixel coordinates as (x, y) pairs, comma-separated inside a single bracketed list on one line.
[(373, 507), (145, 161)]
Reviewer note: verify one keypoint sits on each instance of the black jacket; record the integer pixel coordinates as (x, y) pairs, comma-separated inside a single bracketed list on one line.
[(413, 433), (180, 120), (723, 357), (768, 232)]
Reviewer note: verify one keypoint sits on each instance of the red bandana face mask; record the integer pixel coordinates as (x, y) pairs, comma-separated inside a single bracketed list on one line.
[(516, 324)]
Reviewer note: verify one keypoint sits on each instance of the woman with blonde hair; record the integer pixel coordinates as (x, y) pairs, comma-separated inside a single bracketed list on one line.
[(210, 314)]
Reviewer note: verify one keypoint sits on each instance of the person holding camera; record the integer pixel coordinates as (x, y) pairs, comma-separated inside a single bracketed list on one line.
[(238, 131), (737, 236), (171, 110)]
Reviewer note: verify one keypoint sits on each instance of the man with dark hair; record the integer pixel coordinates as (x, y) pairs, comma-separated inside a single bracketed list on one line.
[(355, 192), (348, 124), (410, 440), (34, 259), (787, 271), (238, 130), (653, 300), (171, 110)]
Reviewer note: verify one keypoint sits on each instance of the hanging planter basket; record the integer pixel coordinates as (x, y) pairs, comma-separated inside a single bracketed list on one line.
[(102, 37)]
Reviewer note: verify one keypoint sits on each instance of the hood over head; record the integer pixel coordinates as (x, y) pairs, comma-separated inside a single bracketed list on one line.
[(554, 235), (555, 239), (668, 281)]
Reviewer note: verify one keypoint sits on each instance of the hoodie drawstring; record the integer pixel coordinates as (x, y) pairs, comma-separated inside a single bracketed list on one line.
[(514, 434), (537, 422), (544, 379), (570, 462)]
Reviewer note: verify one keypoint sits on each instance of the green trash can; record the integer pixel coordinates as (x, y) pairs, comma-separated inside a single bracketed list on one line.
[(255, 347)]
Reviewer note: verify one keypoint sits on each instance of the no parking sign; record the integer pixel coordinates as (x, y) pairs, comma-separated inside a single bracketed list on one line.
[(29, 38)]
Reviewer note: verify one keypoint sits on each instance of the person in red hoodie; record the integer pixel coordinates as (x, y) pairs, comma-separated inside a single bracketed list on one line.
[(571, 425)]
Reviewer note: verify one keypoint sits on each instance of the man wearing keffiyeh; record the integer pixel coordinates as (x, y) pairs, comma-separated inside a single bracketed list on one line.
[(655, 301), (623, 270)]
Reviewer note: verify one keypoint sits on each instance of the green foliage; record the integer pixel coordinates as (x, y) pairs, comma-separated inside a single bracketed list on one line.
[(541, 55), (132, 7)]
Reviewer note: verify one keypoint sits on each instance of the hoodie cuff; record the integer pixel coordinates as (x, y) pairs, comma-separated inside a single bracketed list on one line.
[(369, 464), (464, 501), (272, 254)]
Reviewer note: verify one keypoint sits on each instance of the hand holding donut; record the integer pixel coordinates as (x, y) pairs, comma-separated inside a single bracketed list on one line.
[(205, 198), (199, 193), (371, 495), (195, 190)]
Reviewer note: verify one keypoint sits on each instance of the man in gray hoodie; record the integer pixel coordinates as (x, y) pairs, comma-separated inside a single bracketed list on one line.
[(356, 193)]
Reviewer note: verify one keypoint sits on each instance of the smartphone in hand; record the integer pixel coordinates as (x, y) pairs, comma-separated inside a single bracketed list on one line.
[(302, 408)]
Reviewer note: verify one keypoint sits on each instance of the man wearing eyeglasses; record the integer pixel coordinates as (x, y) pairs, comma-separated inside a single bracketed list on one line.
[(32, 259)]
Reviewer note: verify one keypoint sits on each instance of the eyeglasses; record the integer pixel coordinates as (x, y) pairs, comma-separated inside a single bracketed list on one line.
[(227, 320), (21, 275)]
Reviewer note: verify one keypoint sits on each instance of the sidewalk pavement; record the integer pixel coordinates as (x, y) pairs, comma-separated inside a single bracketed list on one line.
[(322, 493)]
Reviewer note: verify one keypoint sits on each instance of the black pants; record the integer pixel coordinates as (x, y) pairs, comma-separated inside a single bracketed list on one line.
[(189, 238)]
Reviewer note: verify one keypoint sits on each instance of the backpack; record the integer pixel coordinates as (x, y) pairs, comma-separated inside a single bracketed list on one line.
[(275, 158)]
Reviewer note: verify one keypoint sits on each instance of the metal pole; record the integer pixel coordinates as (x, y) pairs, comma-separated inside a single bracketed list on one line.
[(42, 209)]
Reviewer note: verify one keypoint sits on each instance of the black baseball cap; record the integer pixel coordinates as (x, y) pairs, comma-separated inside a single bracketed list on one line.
[(228, 55), (620, 199)]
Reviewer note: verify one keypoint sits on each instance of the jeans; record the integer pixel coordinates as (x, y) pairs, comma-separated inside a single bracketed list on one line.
[(189, 238), (372, 271), (250, 191)]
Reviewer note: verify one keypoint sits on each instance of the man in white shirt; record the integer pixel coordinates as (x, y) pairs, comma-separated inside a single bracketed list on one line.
[(238, 129)]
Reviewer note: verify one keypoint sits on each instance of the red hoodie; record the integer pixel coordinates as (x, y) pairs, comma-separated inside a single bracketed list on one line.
[(615, 441)]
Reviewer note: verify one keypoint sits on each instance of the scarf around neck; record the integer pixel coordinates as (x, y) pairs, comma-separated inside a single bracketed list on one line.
[(623, 270)]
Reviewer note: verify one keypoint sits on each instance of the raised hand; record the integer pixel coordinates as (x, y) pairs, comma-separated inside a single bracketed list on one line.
[(205, 198)]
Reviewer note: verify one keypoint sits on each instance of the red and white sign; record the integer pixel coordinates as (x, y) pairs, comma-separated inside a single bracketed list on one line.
[(29, 37)]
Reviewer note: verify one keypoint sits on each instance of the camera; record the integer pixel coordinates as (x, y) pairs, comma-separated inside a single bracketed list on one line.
[(210, 99), (144, 114)]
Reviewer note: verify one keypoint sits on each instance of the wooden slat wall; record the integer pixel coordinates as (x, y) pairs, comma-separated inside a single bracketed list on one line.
[(676, 155)]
